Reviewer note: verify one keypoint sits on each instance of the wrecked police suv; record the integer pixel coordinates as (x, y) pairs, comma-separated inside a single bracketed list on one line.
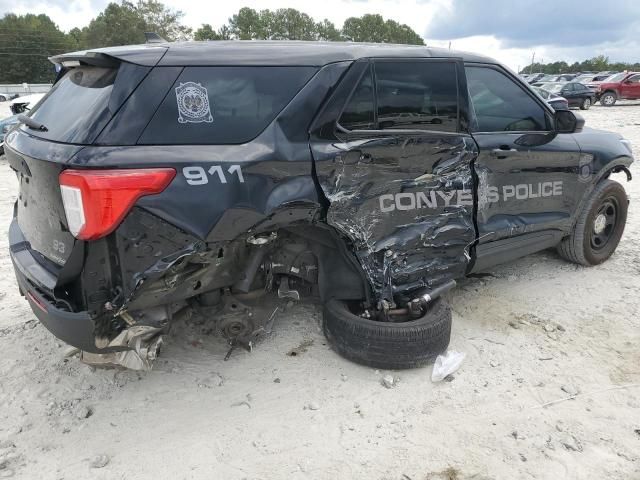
[(207, 177)]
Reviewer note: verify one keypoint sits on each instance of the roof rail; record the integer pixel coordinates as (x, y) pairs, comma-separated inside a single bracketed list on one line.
[(153, 37)]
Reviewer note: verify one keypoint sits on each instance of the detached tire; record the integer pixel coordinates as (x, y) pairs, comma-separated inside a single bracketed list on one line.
[(388, 345), (599, 227)]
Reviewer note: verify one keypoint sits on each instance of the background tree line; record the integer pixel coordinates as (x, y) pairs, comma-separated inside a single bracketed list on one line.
[(600, 63), (26, 41)]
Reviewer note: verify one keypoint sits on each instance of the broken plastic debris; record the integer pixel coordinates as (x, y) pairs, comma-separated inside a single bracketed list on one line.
[(446, 364), (144, 343)]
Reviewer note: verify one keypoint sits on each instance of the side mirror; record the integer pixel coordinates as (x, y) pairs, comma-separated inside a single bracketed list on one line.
[(568, 122)]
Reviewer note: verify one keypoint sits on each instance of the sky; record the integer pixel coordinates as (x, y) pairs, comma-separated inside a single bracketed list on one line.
[(511, 31)]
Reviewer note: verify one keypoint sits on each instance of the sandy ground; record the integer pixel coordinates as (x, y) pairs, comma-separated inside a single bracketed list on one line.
[(541, 331)]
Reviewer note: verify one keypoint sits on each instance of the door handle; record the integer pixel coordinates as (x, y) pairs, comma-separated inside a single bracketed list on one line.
[(503, 152)]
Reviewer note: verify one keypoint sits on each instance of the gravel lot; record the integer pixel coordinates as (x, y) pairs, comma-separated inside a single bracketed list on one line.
[(541, 331)]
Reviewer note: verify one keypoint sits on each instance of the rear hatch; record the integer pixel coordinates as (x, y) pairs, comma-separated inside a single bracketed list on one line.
[(73, 113)]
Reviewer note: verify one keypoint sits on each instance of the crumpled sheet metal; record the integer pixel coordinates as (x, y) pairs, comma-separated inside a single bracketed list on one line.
[(144, 343), (402, 250)]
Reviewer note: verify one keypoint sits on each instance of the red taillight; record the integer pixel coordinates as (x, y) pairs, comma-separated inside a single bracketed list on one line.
[(96, 201), (37, 301)]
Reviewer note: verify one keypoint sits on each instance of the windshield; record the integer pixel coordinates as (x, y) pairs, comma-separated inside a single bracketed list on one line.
[(553, 87), (542, 92), (547, 78), (615, 78)]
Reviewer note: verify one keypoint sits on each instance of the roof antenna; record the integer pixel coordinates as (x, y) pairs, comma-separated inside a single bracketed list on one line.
[(153, 37)]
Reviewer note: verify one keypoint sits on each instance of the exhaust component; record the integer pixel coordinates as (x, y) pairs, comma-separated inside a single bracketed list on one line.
[(423, 300)]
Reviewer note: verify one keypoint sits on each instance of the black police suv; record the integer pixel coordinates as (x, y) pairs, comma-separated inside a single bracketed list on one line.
[(173, 177)]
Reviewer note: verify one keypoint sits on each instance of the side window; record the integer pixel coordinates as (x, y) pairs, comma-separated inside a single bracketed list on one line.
[(500, 104), (223, 105), (569, 87), (417, 95), (358, 114), (634, 79)]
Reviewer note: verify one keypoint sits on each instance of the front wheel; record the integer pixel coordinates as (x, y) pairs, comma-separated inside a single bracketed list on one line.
[(388, 345), (599, 226), (608, 99), (586, 104), (3, 98)]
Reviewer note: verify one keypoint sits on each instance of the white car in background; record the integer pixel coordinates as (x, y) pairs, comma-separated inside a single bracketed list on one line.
[(17, 105), (20, 104)]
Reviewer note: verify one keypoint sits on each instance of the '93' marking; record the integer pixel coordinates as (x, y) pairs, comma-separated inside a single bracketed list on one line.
[(200, 176)]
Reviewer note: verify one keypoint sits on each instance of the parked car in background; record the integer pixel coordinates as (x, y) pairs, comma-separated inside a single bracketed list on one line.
[(622, 86), (602, 77), (577, 94), (22, 104), (4, 96), (18, 105), (586, 79), (555, 101), (5, 126), (566, 77), (534, 77)]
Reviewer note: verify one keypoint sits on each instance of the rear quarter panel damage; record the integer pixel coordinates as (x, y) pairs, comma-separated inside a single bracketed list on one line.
[(190, 238), (404, 203)]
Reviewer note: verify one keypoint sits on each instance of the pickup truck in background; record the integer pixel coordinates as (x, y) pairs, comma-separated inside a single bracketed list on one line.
[(623, 86)]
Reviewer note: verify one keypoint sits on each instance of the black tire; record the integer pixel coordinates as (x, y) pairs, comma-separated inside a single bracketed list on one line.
[(3, 98), (608, 99), (585, 245), (388, 345), (586, 104)]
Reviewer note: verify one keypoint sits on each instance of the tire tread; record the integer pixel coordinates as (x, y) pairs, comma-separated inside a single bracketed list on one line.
[(388, 345)]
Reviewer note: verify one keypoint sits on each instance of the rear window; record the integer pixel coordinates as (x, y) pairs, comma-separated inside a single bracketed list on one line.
[(77, 107), (223, 105)]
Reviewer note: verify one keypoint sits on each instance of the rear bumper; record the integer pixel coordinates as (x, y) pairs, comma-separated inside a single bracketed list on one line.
[(74, 328)]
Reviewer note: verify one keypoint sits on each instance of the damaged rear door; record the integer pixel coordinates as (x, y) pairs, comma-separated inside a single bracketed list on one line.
[(396, 169)]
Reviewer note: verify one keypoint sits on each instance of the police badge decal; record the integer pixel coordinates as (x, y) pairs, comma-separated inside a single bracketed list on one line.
[(193, 103)]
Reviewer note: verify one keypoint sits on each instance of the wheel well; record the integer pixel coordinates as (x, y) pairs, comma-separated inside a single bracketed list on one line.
[(339, 273), (614, 169), (604, 174)]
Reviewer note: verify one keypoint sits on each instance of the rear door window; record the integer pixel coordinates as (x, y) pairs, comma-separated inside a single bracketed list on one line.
[(417, 95), (223, 105)]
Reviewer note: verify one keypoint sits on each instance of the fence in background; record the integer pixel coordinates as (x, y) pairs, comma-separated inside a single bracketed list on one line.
[(21, 89)]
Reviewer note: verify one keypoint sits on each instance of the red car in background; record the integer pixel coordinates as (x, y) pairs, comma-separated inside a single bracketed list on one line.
[(622, 86)]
